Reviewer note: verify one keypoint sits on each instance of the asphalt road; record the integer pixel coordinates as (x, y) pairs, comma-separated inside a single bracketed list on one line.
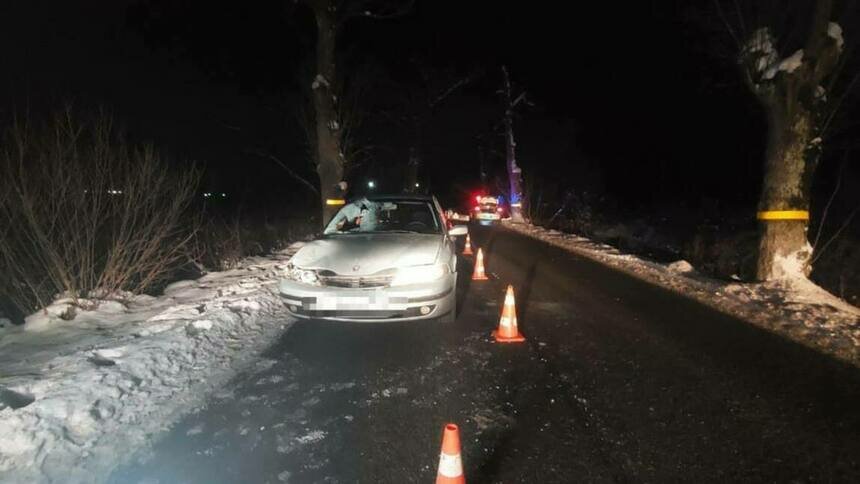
[(618, 381)]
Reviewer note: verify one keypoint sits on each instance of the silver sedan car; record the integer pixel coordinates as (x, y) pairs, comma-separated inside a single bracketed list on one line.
[(381, 258)]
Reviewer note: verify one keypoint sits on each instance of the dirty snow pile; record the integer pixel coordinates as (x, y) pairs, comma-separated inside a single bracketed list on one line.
[(79, 396), (760, 48), (795, 308)]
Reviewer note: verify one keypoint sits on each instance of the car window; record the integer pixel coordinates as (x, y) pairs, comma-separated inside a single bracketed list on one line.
[(363, 216)]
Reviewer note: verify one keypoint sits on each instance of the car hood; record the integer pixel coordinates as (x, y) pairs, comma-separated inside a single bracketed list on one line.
[(365, 254)]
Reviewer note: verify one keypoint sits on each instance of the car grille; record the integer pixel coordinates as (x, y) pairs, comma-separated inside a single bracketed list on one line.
[(355, 281)]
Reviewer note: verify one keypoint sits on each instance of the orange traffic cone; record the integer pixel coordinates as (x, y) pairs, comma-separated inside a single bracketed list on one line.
[(450, 462), (508, 332), (467, 250), (478, 274)]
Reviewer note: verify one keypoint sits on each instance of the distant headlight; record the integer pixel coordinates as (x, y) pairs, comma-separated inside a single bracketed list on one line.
[(304, 276), (418, 274)]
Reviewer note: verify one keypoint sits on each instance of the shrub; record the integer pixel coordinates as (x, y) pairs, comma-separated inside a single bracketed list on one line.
[(224, 239), (85, 214), (218, 245)]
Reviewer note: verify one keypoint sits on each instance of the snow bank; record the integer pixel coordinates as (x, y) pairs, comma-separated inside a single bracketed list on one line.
[(79, 396), (319, 81), (820, 93), (789, 65), (681, 267), (795, 308), (834, 31), (760, 47), (792, 266)]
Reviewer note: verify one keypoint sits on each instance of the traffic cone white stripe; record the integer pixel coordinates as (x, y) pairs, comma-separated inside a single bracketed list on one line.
[(507, 331), (450, 465), (467, 250), (479, 274)]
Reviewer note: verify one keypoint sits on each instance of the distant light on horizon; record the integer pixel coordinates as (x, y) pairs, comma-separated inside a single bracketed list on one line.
[(371, 184)]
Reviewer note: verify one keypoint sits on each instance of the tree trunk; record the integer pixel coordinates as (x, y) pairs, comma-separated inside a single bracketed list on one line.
[(482, 166), (515, 177), (330, 160), (411, 183), (784, 250), (413, 165), (789, 92)]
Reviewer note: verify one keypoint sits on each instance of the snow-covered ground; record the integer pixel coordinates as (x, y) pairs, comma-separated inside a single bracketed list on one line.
[(77, 397), (797, 309)]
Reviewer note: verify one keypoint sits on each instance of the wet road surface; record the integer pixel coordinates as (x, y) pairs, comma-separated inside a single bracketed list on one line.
[(618, 381)]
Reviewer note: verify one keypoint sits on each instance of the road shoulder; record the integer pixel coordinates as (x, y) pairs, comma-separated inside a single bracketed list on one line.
[(801, 311), (79, 396)]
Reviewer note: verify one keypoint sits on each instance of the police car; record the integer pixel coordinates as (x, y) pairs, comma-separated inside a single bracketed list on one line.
[(487, 209)]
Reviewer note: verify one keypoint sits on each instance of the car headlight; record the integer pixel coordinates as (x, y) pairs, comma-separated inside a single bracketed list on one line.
[(418, 274), (304, 276)]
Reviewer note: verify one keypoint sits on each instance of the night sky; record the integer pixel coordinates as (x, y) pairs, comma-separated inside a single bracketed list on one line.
[(640, 101)]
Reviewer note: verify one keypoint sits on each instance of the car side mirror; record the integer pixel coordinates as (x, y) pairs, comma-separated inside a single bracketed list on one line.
[(458, 230)]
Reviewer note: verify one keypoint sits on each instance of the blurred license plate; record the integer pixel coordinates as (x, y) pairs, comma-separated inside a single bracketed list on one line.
[(329, 303)]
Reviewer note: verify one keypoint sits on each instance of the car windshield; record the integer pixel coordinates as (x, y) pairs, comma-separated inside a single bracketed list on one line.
[(363, 216)]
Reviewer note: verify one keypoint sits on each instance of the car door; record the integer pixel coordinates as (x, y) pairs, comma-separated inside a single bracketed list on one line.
[(449, 249)]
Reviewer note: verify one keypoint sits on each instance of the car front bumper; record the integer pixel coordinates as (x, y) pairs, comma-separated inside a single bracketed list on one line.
[(403, 303)]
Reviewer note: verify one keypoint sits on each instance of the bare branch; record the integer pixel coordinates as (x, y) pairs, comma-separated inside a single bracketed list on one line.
[(836, 235), (728, 24), (287, 168), (79, 198), (830, 202), (519, 98), (375, 9), (457, 85), (818, 33), (838, 104), (742, 24)]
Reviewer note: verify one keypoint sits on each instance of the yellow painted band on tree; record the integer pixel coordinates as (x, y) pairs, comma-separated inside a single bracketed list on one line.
[(335, 201), (783, 215)]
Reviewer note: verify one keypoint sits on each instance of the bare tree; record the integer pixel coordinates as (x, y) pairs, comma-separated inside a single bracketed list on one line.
[(328, 120), (790, 57), (482, 162), (435, 88), (515, 176)]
